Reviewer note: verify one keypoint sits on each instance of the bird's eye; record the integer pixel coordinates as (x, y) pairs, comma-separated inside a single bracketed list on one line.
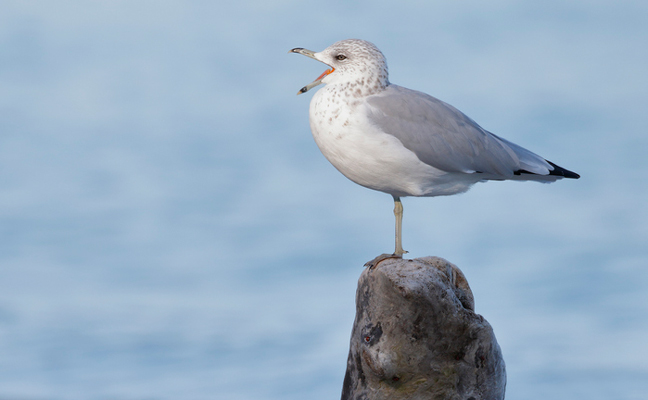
[(340, 57)]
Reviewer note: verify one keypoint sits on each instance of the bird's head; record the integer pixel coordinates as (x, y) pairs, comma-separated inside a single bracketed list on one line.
[(352, 61)]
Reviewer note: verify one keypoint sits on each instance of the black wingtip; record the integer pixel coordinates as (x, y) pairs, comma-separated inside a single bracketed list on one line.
[(560, 171)]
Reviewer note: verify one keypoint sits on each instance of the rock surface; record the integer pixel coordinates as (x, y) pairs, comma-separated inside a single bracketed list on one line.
[(416, 336)]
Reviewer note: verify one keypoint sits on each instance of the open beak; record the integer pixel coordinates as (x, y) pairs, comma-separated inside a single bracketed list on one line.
[(311, 54)]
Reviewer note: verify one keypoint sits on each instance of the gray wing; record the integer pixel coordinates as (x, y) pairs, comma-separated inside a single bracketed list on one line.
[(445, 138)]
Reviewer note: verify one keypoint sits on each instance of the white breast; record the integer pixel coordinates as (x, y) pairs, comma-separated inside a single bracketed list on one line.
[(369, 157)]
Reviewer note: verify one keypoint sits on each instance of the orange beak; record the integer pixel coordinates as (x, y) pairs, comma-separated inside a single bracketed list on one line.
[(325, 73)]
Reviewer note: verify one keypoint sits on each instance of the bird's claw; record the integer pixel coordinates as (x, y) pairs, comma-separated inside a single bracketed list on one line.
[(374, 263)]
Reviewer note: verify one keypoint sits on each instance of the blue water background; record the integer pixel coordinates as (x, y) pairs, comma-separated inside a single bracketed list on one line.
[(169, 229)]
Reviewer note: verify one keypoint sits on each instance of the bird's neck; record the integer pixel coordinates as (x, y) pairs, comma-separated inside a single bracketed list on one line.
[(357, 89)]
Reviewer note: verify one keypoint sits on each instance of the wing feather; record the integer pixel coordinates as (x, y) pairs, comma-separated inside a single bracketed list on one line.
[(445, 138)]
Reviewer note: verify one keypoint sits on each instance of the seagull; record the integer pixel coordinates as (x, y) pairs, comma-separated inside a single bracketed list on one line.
[(403, 142)]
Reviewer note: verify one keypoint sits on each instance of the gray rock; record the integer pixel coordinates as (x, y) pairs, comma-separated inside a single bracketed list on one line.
[(416, 336)]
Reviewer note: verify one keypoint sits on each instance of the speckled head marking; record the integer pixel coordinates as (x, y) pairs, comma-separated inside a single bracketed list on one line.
[(356, 64)]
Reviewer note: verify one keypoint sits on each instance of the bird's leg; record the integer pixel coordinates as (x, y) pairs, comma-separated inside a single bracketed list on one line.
[(398, 253), (398, 213)]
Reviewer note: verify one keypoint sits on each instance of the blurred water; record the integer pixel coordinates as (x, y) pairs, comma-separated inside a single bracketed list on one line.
[(168, 228)]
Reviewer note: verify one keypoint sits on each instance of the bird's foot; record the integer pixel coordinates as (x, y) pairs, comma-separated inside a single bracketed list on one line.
[(373, 263)]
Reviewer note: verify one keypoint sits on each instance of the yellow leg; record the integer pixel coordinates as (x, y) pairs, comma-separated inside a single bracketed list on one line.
[(398, 253), (398, 213)]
